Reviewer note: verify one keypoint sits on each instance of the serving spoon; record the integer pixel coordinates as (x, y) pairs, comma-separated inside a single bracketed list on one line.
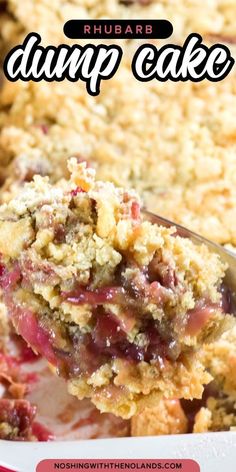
[(182, 446), (226, 256)]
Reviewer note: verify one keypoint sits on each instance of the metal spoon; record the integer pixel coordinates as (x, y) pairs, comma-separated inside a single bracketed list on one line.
[(227, 256)]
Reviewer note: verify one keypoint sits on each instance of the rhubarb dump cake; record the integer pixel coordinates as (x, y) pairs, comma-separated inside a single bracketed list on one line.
[(175, 144), (118, 305)]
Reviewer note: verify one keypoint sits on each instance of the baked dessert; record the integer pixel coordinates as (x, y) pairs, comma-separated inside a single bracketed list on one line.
[(118, 305), (16, 417), (191, 149)]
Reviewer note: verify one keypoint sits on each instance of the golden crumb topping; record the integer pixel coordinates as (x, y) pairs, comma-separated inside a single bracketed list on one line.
[(119, 305)]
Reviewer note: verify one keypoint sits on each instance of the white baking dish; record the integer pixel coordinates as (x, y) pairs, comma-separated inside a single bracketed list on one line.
[(215, 452)]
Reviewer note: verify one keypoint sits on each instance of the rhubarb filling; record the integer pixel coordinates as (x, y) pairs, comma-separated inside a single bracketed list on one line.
[(76, 352), (114, 302)]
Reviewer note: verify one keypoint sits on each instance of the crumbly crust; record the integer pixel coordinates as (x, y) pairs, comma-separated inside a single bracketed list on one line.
[(191, 150), (144, 386), (167, 417), (218, 415), (203, 421), (220, 360), (72, 238)]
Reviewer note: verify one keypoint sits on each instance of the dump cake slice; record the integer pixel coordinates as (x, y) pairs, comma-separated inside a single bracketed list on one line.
[(118, 305)]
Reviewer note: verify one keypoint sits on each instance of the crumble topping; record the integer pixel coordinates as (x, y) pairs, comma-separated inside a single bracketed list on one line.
[(218, 415), (220, 360), (119, 305), (183, 163), (167, 417)]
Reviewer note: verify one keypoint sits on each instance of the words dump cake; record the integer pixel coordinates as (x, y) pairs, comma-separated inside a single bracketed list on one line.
[(118, 305)]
